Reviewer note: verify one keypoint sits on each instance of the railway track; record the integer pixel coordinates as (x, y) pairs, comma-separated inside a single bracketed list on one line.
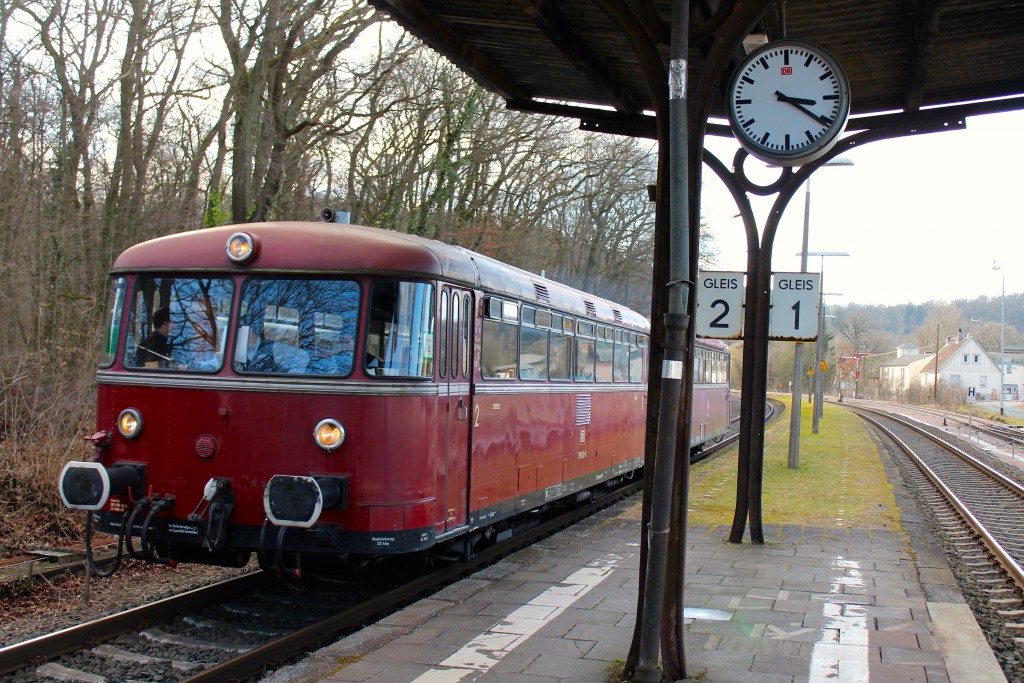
[(977, 509), (239, 628), (969, 427)]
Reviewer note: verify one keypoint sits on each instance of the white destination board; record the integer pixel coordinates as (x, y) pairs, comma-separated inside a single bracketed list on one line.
[(720, 297), (795, 299)]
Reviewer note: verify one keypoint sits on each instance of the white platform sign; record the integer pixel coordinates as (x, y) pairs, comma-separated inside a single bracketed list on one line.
[(720, 297), (795, 300)]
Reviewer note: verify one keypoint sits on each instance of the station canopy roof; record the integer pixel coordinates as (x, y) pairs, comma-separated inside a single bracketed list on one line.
[(902, 57)]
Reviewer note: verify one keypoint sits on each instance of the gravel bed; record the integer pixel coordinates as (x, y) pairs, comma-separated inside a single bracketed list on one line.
[(59, 603)]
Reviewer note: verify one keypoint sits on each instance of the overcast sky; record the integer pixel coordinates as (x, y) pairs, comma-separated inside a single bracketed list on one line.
[(922, 217)]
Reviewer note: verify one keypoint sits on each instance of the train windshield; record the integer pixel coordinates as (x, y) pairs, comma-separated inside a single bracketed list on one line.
[(400, 330), (178, 323), (296, 326)]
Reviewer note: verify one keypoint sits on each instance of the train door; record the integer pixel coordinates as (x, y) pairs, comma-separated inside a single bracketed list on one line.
[(455, 363)]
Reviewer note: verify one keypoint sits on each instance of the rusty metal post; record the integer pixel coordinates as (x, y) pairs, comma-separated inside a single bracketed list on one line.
[(677, 323)]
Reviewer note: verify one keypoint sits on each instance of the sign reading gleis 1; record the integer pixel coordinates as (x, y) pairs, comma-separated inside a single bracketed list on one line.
[(795, 300)]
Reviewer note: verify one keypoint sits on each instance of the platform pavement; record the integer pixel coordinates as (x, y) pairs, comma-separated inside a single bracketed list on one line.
[(811, 604)]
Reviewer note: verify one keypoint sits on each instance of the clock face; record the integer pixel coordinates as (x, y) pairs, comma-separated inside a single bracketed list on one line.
[(788, 102)]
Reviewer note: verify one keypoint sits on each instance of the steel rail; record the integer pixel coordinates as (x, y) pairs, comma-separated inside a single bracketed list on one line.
[(953, 448), (1007, 562), (254, 662), (17, 656)]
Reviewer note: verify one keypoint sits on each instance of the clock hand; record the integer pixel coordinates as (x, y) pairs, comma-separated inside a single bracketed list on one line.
[(793, 100), (796, 102)]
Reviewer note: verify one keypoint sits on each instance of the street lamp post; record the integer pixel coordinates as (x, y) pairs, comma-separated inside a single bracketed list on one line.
[(996, 265), (818, 385), (819, 378), (798, 352)]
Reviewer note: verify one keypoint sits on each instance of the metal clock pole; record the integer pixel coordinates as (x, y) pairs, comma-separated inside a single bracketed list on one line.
[(675, 373)]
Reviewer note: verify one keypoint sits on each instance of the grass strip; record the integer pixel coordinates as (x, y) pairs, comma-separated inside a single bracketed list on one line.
[(841, 481)]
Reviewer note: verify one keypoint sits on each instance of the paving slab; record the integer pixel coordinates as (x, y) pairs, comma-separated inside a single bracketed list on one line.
[(810, 604)]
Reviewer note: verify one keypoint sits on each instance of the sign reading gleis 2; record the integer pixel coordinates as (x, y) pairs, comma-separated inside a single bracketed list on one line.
[(795, 298), (794, 301), (720, 305)]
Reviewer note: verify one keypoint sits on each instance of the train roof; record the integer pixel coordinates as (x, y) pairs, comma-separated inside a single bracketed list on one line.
[(716, 344), (334, 248)]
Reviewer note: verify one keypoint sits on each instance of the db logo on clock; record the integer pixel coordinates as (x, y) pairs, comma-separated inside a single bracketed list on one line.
[(786, 71)]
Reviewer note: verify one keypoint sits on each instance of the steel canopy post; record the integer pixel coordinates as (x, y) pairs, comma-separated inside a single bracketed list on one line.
[(798, 353), (675, 368)]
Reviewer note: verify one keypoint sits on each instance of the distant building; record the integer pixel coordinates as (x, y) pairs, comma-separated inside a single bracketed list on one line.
[(1013, 372), (961, 362), (897, 376)]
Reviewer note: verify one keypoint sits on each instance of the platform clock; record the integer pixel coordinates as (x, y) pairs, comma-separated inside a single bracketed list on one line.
[(788, 102)]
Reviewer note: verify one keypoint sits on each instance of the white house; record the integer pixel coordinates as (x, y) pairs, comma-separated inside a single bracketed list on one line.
[(962, 362), (1013, 373), (897, 376)]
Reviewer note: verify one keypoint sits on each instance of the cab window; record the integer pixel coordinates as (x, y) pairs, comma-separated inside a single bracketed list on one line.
[(400, 330), (178, 323)]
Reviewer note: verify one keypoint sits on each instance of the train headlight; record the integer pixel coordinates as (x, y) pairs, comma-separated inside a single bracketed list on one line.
[(240, 247), (329, 434), (129, 423)]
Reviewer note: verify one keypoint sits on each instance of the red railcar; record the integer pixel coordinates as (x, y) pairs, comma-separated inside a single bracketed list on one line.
[(293, 388)]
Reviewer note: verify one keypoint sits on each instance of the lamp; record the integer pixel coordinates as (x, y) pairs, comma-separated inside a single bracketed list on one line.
[(798, 353), (819, 384)]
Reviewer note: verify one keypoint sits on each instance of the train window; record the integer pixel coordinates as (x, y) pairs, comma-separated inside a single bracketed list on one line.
[(499, 350), (114, 316), (493, 308), (297, 326), (529, 316), (400, 330), (464, 336), (533, 352), (456, 339), (510, 311), (560, 360), (603, 358), (621, 367), (178, 323), (584, 367), (586, 329), (636, 364), (442, 333), (567, 325), (544, 319)]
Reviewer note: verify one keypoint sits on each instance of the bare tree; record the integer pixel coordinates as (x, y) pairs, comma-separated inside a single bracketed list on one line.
[(945, 318), (152, 66), (282, 58)]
